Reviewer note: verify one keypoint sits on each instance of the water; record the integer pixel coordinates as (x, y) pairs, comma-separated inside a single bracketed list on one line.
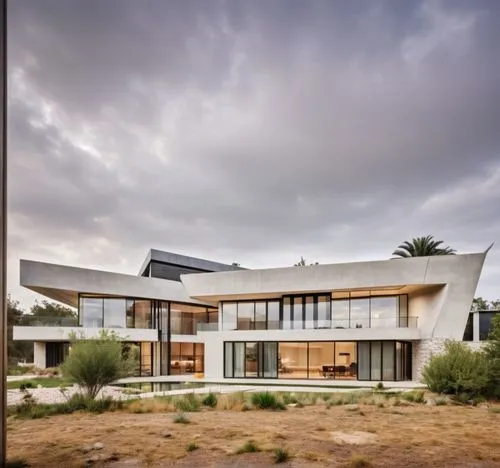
[(147, 387)]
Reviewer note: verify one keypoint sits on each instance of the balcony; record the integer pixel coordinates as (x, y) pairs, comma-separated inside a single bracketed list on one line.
[(337, 324)]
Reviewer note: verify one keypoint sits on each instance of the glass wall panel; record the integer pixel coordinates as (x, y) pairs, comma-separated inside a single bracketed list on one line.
[(199, 357), (269, 360), (213, 316), (273, 315), (399, 361), (340, 313), (364, 360), (298, 319), (260, 315), (384, 312), (292, 360), (91, 310), (239, 359), (229, 321), (228, 360), (388, 360), (146, 359), (246, 315), (323, 312), (403, 311), (346, 365), (360, 313), (130, 313), (287, 314), (309, 306), (183, 358), (251, 360), (376, 360), (143, 314), (321, 360), (485, 324), (175, 321), (469, 328), (115, 313)]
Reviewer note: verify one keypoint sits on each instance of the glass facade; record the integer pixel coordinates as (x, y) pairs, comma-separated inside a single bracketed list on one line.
[(186, 358), (342, 360), (484, 319), (318, 311)]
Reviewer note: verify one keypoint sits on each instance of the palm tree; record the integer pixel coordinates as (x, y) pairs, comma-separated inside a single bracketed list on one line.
[(422, 247)]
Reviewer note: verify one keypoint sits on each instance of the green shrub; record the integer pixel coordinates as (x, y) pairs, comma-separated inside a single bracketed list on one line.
[(281, 455), (492, 356), (458, 370), (95, 363), (416, 396), (191, 447), (249, 447), (210, 400), (441, 401), (267, 400), (379, 387), (181, 418), (188, 403)]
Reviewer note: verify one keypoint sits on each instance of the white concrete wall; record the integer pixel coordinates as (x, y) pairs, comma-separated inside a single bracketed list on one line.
[(39, 354), (64, 333)]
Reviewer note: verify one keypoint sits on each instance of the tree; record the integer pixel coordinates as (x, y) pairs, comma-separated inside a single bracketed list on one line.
[(422, 247), (16, 350), (492, 353), (51, 309), (478, 303), (302, 262), (95, 363)]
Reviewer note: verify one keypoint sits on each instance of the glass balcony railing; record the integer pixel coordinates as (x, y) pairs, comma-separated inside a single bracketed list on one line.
[(336, 324), (39, 321)]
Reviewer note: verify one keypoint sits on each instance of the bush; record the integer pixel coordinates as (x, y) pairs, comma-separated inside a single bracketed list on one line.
[(210, 400), (281, 455), (26, 385), (181, 418), (459, 370), (359, 461), (188, 403), (492, 356), (191, 447), (249, 447), (416, 396), (267, 400), (379, 387), (95, 363)]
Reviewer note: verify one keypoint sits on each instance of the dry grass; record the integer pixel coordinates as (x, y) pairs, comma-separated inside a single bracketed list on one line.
[(413, 435)]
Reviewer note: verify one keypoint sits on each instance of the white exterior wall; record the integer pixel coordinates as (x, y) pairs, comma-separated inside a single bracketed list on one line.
[(39, 354)]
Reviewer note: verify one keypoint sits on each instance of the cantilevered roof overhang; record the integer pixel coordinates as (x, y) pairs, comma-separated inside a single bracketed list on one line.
[(394, 276), (64, 284)]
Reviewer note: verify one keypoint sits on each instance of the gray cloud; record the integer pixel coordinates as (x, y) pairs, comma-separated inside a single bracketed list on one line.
[(252, 131)]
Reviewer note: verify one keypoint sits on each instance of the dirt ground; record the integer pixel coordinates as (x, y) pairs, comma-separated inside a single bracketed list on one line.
[(413, 436)]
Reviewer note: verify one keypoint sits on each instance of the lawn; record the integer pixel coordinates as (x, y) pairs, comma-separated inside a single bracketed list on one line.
[(46, 382), (377, 432)]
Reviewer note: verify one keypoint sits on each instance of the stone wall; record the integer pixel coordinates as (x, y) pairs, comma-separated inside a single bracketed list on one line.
[(422, 352)]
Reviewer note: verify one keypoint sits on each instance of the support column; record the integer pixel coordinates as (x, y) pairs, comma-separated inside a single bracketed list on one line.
[(39, 354)]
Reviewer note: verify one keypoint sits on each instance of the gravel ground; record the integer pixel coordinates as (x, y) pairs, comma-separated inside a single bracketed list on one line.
[(54, 395)]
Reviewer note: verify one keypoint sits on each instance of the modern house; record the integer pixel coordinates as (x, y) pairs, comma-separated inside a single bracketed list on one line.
[(367, 321)]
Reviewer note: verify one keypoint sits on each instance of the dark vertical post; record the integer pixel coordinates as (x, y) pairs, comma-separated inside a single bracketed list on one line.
[(3, 232)]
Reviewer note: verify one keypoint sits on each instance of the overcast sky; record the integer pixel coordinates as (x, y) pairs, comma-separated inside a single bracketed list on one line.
[(251, 131)]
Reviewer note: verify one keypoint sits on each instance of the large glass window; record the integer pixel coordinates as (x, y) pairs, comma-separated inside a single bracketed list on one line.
[(363, 360), (186, 358), (251, 360), (91, 312), (323, 312), (273, 315), (321, 360), (229, 316), (360, 313), (384, 312), (403, 312), (146, 359), (260, 316), (269, 360), (298, 322), (292, 360), (345, 360), (485, 324), (287, 314), (340, 313), (143, 316), (115, 313), (239, 359), (309, 309), (130, 313), (246, 315)]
